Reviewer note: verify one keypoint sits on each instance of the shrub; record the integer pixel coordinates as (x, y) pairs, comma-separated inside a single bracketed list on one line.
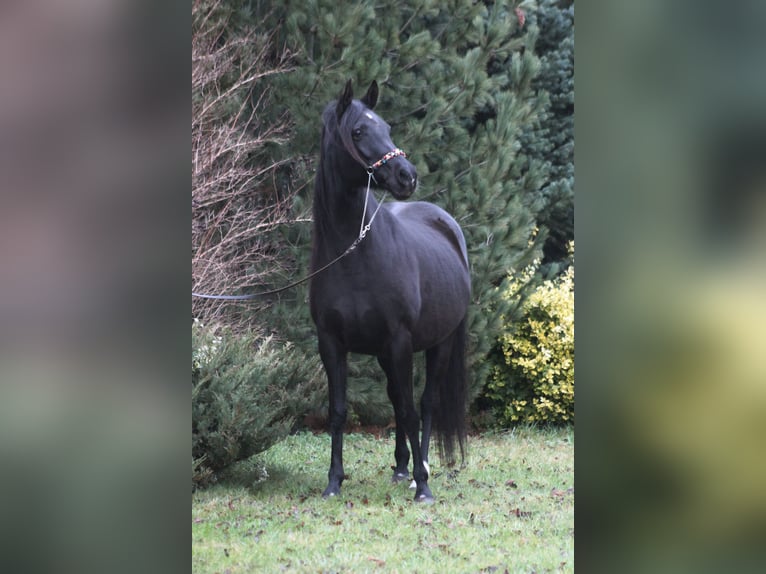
[(532, 377), (247, 392)]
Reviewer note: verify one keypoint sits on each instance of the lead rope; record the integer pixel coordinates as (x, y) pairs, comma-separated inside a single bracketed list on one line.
[(363, 230)]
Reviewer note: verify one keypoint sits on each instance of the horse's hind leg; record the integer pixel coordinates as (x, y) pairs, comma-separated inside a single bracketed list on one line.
[(401, 452), (398, 366)]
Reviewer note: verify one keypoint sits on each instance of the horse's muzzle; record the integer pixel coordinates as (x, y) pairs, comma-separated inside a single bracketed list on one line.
[(403, 179)]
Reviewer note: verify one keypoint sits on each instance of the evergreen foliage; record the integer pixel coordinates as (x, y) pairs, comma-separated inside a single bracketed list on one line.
[(479, 95), (457, 86), (533, 367), (247, 393), (553, 141)]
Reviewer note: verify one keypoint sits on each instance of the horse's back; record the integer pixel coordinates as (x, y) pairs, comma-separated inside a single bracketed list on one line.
[(426, 221)]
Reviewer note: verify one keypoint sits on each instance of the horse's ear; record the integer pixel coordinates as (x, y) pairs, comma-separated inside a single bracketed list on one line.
[(371, 97), (344, 100)]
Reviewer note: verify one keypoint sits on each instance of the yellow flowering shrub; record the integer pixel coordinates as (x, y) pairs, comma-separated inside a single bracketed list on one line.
[(533, 376)]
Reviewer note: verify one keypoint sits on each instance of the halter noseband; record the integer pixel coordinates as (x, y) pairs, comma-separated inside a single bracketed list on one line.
[(370, 177), (396, 152)]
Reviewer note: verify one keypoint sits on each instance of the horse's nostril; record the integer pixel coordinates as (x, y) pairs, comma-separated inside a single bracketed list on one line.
[(407, 178)]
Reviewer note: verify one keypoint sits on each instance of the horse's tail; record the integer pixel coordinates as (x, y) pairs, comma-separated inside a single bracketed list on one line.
[(449, 416)]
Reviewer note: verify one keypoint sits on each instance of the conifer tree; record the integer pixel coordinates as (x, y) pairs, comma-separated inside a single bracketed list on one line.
[(458, 86), (553, 142)]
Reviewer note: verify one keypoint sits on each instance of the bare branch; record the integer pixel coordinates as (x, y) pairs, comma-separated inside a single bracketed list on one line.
[(234, 201)]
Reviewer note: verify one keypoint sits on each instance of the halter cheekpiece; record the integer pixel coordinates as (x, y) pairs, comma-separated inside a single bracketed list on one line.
[(396, 152)]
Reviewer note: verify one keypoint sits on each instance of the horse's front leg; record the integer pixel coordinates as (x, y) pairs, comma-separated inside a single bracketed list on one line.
[(334, 359)]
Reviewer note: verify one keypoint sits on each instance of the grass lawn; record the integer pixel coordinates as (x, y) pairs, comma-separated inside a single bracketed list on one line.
[(510, 508)]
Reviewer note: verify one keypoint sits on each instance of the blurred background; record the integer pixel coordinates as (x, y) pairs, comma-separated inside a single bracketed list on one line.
[(671, 293), (94, 221)]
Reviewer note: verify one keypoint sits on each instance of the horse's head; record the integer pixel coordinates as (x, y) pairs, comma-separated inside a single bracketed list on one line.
[(367, 138)]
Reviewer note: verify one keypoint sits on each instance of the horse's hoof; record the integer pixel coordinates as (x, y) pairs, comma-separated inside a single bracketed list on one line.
[(424, 495), (329, 493), (399, 477)]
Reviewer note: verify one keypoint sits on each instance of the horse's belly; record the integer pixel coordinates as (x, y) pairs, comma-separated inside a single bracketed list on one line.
[(361, 328)]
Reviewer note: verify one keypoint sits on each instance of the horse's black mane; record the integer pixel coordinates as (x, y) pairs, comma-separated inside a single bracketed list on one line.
[(328, 180)]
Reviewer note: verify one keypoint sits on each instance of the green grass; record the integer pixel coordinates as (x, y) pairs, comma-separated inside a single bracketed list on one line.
[(510, 508)]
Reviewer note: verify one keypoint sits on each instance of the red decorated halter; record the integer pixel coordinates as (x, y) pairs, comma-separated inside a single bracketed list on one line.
[(396, 152)]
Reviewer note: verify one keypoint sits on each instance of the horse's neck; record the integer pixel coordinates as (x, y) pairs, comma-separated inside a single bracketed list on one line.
[(338, 211)]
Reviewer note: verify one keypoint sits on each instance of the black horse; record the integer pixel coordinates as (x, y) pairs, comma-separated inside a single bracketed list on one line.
[(402, 288)]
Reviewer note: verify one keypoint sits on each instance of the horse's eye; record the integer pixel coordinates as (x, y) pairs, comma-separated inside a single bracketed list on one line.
[(357, 133)]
